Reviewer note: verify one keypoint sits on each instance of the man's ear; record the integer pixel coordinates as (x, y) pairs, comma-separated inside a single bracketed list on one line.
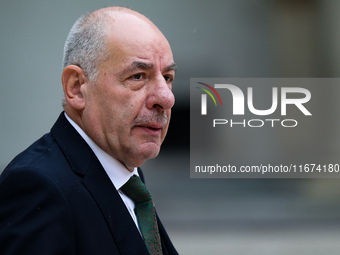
[(74, 81)]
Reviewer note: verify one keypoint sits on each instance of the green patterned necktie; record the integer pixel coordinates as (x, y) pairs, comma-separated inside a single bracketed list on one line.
[(135, 189)]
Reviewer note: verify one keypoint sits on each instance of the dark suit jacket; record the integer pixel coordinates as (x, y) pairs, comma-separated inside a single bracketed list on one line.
[(55, 198)]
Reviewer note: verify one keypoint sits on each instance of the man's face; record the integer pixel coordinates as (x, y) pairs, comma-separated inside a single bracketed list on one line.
[(128, 108)]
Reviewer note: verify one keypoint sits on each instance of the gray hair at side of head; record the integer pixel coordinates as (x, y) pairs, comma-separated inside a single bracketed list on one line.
[(85, 45)]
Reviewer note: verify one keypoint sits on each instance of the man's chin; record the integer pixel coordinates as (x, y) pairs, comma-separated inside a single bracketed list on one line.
[(148, 151), (151, 150), (136, 156)]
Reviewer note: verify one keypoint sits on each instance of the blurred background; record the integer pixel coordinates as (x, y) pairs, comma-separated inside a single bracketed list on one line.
[(217, 38)]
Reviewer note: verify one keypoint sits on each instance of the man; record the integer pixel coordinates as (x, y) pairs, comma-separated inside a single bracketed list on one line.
[(63, 195)]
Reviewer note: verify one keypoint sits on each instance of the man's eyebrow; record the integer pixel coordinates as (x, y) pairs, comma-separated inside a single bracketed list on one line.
[(173, 66), (135, 65), (139, 65), (142, 65)]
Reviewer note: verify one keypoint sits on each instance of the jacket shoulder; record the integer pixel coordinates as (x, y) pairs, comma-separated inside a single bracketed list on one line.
[(32, 205)]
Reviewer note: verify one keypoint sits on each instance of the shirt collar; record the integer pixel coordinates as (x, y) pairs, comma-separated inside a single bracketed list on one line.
[(116, 171)]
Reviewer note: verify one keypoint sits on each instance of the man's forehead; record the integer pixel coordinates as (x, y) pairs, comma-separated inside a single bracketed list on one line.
[(134, 42)]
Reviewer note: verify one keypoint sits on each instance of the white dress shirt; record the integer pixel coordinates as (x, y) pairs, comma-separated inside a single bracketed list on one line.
[(116, 171)]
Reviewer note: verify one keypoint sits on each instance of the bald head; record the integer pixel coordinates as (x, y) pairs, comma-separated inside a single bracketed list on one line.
[(115, 11), (86, 44)]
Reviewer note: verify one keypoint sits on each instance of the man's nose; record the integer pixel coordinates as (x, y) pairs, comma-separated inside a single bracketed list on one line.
[(161, 96)]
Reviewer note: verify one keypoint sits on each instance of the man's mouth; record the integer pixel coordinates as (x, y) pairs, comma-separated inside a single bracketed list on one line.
[(151, 129), (154, 122), (155, 125)]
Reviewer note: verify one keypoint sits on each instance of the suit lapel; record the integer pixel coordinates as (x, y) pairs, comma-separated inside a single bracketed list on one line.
[(83, 161), (123, 229)]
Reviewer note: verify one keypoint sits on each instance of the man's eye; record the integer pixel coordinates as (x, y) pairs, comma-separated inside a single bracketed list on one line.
[(168, 78), (137, 76)]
